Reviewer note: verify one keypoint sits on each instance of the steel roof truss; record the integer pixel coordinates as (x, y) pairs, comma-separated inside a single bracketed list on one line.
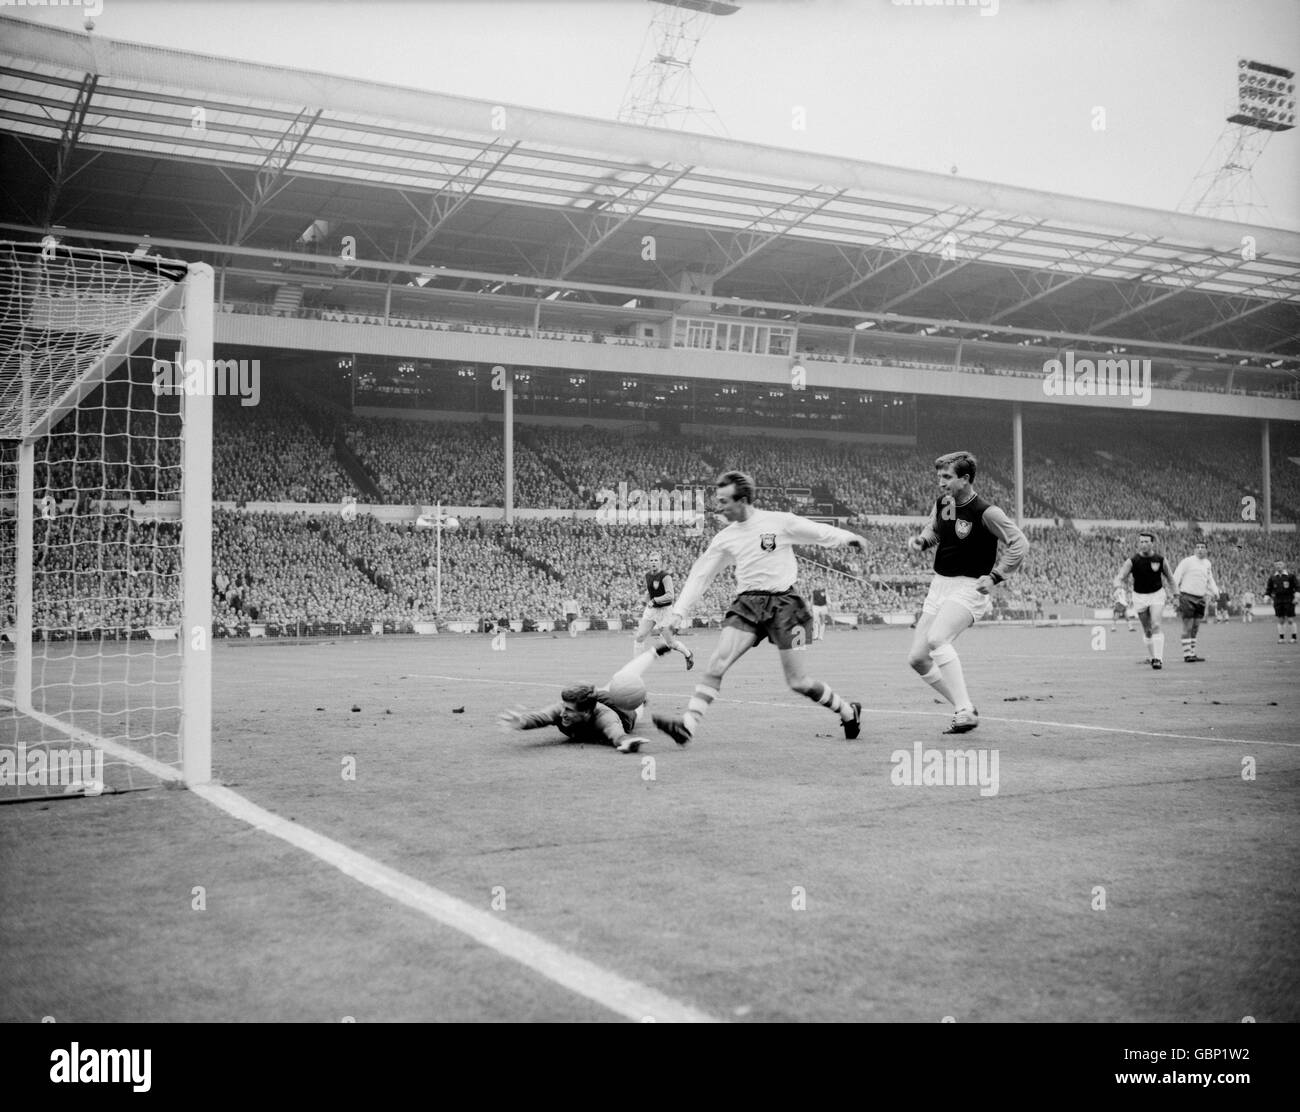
[(271, 175), (615, 212)]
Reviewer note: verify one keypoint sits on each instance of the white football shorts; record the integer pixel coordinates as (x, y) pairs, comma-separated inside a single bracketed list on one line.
[(960, 589)]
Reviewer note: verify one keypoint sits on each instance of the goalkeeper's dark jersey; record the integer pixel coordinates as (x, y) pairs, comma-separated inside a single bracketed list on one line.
[(1147, 579), (610, 722)]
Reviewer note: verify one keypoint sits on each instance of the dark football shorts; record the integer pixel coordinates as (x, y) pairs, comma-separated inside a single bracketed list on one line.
[(1284, 607), (781, 617), (1191, 606)]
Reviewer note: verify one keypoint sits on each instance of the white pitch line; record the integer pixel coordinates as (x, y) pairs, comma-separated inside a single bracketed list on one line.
[(625, 997), (918, 713), (620, 995)]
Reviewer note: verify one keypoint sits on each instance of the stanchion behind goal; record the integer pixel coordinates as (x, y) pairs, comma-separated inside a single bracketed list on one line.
[(105, 521)]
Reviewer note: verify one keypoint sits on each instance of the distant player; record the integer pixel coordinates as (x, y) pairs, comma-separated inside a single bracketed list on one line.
[(821, 611), (1281, 589), (965, 529), (606, 714), (1194, 580), (1121, 611), (659, 586), (1248, 606), (1222, 610), (1150, 572), (760, 544)]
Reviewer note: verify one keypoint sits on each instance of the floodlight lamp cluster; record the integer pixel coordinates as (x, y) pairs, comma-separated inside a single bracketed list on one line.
[(1265, 96)]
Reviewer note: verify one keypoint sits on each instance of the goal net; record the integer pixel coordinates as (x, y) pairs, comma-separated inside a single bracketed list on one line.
[(105, 521)]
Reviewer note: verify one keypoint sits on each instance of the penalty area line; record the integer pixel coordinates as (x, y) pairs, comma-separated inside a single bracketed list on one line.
[(620, 995), (924, 714)]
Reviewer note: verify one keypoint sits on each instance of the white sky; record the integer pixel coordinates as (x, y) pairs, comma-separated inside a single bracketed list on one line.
[(1007, 98)]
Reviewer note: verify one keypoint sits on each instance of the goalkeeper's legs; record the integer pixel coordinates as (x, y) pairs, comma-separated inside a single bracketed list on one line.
[(627, 685)]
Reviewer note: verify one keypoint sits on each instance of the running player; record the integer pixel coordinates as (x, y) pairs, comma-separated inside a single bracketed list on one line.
[(1281, 589), (1194, 579), (760, 544), (965, 529), (821, 611), (1150, 572), (659, 586), (1248, 606), (604, 715)]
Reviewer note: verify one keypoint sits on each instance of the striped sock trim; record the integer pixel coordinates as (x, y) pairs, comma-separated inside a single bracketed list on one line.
[(698, 705), (826, 697)]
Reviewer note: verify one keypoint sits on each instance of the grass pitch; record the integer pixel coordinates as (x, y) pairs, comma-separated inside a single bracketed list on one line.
[(1139, 862)]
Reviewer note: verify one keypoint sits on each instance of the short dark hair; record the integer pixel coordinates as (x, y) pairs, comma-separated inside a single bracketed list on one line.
[(743, 483), (581, 695), (962, 464), (1146, 533)]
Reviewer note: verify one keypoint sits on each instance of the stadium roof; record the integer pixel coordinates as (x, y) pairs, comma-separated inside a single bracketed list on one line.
[(112, 143)]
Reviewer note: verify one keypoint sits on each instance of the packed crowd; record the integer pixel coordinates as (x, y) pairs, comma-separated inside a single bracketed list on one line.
[(106, 571), (280, 569), (98, 571), (111, 450), (592, 460), (268, 453), (424, 462)]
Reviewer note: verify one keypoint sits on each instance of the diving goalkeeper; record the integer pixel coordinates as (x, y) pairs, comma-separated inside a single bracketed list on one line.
[(603, 715)]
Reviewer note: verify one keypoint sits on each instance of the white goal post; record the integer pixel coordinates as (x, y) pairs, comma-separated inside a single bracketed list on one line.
[(105, 521)]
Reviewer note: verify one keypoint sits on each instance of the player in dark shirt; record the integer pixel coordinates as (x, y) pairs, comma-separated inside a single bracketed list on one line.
[(1150, 572), (965, 531), (1224, 605), (662, 594), (602, 715), (1281, 589), (821, 611)]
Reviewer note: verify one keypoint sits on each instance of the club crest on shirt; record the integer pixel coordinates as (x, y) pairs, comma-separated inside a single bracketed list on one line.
[(1155, 565), (767, 541), (963, 528)]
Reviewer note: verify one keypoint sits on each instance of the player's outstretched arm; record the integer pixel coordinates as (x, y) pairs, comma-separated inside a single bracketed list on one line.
[(712, 561), (802, 530), (530, 720), (1125, 570), (670, 592)]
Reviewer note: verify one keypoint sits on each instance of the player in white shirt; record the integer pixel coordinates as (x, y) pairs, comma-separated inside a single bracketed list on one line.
[(1193, 579), (760, 544)]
